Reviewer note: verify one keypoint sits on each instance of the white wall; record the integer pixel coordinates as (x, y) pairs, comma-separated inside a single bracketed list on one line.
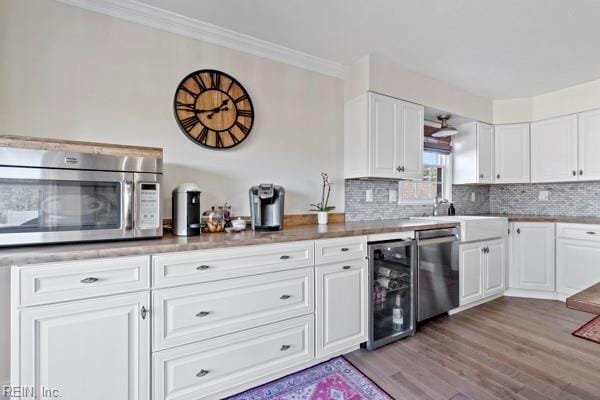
[(390, 79), (571, 100), (74, 74)]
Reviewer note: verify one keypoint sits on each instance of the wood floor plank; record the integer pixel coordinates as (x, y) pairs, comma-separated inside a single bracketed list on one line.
[(510, 348)]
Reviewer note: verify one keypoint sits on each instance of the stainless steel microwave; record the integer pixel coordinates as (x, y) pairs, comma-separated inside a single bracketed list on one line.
[(56, 196)]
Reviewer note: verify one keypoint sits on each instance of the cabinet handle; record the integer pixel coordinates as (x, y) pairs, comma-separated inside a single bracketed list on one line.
[(580, 172), (284, 257), (285, 347), (344, 249), (202, 314), (591, 233), (203, 372), (519, 231), (480, 176), (143, 312), (574, 173), (346, 267), (498, 176), (285, 296), (91, 279), (202, 267), (400, 168)]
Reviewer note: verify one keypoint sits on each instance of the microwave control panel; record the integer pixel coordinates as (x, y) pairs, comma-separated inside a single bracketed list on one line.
[(148, 212)]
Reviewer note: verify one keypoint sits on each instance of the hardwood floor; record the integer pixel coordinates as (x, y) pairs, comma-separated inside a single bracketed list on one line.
[(510, 348)]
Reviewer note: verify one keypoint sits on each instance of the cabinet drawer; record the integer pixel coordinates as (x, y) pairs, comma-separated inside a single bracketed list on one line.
[(340, 249), (578, 231), (191, 313), (211, 265), (202, 370), (52, 282)]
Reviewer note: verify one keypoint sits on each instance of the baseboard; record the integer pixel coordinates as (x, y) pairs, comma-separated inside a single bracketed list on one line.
[(474, 304), (535, 294)]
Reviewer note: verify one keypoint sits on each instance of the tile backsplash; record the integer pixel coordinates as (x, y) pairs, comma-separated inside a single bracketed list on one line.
[(580, 199)]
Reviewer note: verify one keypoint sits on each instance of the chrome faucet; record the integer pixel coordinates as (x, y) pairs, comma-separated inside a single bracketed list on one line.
[(436, 205)]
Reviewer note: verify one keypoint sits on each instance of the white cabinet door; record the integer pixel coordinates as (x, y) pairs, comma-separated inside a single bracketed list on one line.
[(471, 261), (533, 256), (577, 265), (493, 268), (92, 349), (589, 143), (341, 312), (554, 150), (485, 153), (410, 151), (385, 127), (512, 153)]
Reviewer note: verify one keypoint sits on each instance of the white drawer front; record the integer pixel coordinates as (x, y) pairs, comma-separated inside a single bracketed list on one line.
[(578, 231), (186, 314), (340, 249), (61, 281), (201, 370), (210, 265)]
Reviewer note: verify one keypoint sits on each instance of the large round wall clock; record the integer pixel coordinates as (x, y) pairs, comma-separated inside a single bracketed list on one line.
[(213, 109)]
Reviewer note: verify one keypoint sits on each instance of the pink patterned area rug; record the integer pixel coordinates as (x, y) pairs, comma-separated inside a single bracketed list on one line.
[(590, 331), (335, 379)]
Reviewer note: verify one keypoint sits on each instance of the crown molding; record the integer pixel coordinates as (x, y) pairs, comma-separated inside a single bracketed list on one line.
[(144, 14)]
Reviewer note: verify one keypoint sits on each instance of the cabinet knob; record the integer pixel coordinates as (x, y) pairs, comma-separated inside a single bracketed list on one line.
[(143, 312), (202, 314), (285, 347), (202, 267), (498, 176), (91, 279), (346, 267), (344, 249), (480, 176), (580, 172), (400, 168), (285, 296), (574, 173), (203, 372), (519, 231), (284, 257)]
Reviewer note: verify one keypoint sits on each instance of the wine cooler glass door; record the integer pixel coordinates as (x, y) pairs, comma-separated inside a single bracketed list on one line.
[(392, 303)]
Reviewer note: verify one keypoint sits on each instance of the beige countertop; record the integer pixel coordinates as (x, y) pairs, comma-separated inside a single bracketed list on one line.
[(548, 218), (171, 243)]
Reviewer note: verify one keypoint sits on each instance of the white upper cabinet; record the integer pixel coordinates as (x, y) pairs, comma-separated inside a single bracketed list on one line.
[(473, 154), (589, 143), (512, 153), (554, 149), (383, 138)]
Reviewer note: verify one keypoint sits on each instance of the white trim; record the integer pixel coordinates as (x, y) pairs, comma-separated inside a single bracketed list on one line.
[(474, 304), (534, 294), (158, 18)]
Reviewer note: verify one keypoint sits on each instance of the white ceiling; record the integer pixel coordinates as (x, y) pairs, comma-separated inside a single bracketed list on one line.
[(494, 48)]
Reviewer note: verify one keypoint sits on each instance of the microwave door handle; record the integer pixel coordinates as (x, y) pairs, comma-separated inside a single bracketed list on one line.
[(128, 204)]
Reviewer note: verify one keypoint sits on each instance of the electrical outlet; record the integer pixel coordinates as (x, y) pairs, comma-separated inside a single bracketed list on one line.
[(472, 196), (543, 195), (369, 195), (392, 196)]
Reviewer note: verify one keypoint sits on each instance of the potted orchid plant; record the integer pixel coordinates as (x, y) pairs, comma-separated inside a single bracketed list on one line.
[(322, 208)]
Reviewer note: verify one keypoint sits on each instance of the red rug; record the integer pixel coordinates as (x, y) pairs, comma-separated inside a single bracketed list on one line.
[(590, 331)]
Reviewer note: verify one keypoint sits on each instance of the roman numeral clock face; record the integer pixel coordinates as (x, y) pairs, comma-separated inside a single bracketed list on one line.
[(213, 109)]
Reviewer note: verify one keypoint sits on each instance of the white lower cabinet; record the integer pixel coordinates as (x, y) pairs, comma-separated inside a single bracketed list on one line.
[(577, 257), (482, 266), (532, 259), (341, 306), (210, 369), (91, 349)]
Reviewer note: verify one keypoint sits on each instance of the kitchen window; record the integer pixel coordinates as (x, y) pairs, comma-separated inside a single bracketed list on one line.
[(436, 182)]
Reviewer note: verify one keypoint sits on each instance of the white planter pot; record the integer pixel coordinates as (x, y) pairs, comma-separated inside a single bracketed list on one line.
[(322, 217)]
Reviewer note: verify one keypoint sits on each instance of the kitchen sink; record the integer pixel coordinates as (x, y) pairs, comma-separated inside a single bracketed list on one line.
[(475, 227)]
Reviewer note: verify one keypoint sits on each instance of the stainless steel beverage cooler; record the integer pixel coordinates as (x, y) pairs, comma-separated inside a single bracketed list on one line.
[(392, 278)]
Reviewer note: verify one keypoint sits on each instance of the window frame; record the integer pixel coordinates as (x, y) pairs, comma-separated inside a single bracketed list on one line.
[(446, 183)]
